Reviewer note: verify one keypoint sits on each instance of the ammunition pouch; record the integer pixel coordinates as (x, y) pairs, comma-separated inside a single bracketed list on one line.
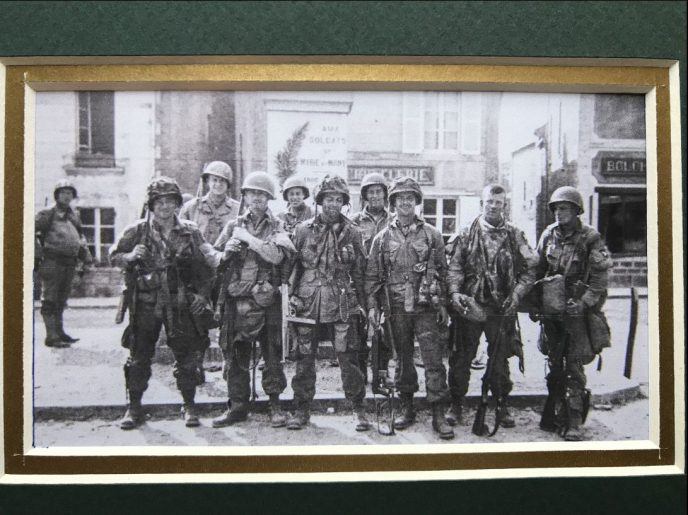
[(473, 312), (128, 337), (264, 294), (554, 295), (599, 333), (205, 320)]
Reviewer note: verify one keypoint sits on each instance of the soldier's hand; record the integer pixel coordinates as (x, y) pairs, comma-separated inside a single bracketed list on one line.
[(295, 304), (442, 316), (139, 252), (510, 306), (460, 303), (197, 304), (374, 317), (240, 233), (574, 307), (233, 245)]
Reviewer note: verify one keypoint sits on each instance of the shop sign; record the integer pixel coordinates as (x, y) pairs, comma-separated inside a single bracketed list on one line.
[(610, 165), (423, 175)]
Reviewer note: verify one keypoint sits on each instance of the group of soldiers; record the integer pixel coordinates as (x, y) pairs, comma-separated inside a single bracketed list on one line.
[(214, 262)]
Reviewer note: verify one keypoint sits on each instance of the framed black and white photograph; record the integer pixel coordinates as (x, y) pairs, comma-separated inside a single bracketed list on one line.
[(452, 361)]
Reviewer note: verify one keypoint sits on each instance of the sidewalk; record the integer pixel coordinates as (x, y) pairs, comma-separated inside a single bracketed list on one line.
[(86, 380)]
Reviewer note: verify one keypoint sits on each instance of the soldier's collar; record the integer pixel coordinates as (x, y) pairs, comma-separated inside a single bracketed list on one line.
[(177, 226), (577, 228), (383, 214), (415, 223), (488, 225)]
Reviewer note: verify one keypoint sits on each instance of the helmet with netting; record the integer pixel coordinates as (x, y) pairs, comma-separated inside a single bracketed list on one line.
[(331, 184)]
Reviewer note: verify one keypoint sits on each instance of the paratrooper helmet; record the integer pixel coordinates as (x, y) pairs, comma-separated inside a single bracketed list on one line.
[(63, 184), (295, 182), (162, 187), (567, 194), (259, 181), (370, 180), (331, 184), (218, 169), (405, 185)]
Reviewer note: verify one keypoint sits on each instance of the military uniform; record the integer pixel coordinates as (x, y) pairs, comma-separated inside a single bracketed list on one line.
[(252, 310), (328, 288), (567, 340), (400, 257), (293, 216), (180, 266), (490, 264), (210, 219), (61, 245)]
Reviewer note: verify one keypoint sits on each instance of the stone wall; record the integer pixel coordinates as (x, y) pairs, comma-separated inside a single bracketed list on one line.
[(100, 282)]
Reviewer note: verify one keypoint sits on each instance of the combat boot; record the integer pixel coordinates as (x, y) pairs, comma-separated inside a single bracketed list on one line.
[(547, 421), (237, 413), (362, 423), (455, 414), (575, 431), (277, 416), (190, 415), (407, 416), (134, 416), (505, 420), (439, 423), (60, 331), (299, 419), (52, 336)]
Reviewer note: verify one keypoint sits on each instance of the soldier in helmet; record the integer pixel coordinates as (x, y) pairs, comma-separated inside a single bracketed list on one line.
[(295, 192), (60, 246), (372, 218), (406, 273), (212, 211), (256, 246), (327, 285), (491, 269), (168, 268), (573, 265)]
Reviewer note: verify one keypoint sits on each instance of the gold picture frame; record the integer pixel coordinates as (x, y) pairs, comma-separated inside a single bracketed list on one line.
[(657, 79)]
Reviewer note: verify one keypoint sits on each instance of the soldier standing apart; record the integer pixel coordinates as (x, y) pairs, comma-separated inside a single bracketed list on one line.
[(256, 246), (295, 192), (491, 269), (573, 255), (212, 211), (371, 220), (407, 264), (327, 281), (61, 245), (169, 267)]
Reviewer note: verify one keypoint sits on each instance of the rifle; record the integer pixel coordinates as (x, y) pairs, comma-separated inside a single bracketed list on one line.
[(289, 313), (126, 298), (381, 384), (480, 428)]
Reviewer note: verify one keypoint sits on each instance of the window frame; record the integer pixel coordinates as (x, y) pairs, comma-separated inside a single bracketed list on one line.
[(97, 244)]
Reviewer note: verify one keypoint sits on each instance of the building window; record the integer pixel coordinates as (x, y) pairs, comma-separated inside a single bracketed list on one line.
[(442, 121), (443, 214), (620, 116), (96, 130), (98, 224), (623, 222)]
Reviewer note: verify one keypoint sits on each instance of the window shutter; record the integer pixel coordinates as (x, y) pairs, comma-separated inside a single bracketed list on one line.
[(412, 137), (471, 112)]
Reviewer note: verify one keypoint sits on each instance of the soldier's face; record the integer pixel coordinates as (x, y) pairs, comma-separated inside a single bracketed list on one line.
[(257, 201), (217, 185), (295, 196), (332, 205), (375, 195), (493, 206), (64, 197), (565, 213), (164, 207), (405, 203)]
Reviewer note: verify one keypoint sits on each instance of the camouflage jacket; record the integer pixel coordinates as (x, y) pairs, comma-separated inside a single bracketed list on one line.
[(260, 265), (490, 262), (402, 261), (369, 226), (183, 260), (210, 220), (586, 251), (292, 216), (328, 270)]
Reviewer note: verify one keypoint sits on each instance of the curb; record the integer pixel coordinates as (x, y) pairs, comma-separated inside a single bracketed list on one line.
[(339, 404)]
